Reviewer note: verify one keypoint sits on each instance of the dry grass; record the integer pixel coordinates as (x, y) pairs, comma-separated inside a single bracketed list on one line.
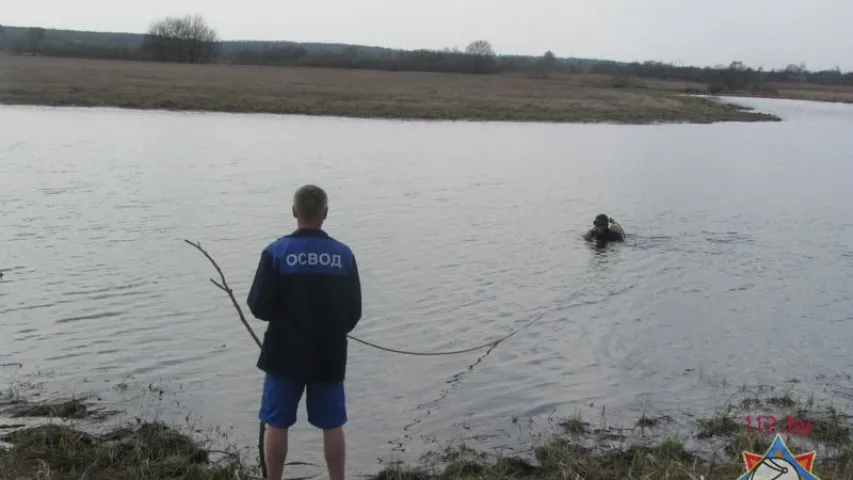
[(561, 459), (564, 459), (72, 408), (576, 451), (49, 446), (355, 93), (816, 93), (148, 451), (791, 91), (569, 456)]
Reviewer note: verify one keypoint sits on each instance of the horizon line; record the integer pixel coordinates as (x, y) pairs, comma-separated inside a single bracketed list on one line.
[(677, 64)]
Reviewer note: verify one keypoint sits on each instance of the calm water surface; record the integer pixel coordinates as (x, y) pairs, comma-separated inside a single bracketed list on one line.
[(738, 266)]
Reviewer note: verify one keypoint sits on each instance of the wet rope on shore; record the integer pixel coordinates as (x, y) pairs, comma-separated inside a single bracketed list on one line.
[(223, 285)]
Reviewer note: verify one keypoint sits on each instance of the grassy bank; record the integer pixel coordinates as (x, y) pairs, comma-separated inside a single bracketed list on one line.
[(711, 448), (147, 451), (580, 450), (52, 447), (355, 93)]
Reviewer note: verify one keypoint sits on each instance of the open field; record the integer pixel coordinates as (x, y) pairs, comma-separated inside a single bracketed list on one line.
[(577, 449), (817, 93), (354, 93), (791, 91)]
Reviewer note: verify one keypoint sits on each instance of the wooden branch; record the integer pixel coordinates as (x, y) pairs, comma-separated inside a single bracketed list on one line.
[(223, 285)]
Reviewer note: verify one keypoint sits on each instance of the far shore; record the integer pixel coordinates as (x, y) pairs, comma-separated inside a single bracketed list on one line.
[(572, 98)]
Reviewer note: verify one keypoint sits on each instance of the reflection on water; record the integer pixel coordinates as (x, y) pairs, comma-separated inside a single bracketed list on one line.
[(736, 233)]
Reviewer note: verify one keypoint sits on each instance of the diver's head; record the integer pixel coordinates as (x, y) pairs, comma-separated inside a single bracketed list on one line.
[(601, 222)]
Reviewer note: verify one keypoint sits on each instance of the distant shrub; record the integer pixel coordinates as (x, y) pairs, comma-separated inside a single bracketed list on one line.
[(763, 88), (716, 88), (625, 81)]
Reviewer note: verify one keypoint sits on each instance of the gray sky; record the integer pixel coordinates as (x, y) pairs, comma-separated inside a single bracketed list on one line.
[(772, 33)]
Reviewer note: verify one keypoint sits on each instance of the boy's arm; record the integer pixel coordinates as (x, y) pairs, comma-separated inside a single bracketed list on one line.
[(354, 286), (261, 300)]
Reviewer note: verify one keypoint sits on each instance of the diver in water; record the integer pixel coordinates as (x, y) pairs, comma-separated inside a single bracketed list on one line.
[(602, 231)]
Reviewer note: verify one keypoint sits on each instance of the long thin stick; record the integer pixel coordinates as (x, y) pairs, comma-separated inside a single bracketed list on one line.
[(224, 287), (262, 427)]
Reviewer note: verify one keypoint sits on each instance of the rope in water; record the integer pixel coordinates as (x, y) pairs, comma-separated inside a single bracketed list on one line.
[(492, 344), (223, 285)]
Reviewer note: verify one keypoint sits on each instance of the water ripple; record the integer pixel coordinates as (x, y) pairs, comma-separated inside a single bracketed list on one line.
[(93, 316), (463, 232)]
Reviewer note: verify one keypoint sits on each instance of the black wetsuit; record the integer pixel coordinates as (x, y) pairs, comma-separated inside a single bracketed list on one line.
[(607, 236)]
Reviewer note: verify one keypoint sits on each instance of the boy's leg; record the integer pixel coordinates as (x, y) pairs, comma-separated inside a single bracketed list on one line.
[(275, 451), (278, 410), (327, 410), (335, 451)]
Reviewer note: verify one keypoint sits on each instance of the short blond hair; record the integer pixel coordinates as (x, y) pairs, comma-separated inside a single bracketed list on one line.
[(310, 203)]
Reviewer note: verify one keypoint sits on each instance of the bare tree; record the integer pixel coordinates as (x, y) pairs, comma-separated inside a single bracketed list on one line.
[(480, 48), (202, 39), (482, 56), (184, 40), (797, 73), (547, 63)]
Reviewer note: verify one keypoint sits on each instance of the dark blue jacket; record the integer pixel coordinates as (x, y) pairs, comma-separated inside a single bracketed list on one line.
[(307, 288)]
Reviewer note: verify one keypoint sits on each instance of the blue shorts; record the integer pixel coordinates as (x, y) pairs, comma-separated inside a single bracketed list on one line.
[(325, 401)]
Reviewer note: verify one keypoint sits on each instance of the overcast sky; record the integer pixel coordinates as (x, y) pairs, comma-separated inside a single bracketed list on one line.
[(771, 33)]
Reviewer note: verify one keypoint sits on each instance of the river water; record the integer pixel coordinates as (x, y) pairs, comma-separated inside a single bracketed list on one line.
[(737, 269)]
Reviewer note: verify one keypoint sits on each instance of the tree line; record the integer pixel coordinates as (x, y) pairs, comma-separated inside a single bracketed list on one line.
[(190, 39)]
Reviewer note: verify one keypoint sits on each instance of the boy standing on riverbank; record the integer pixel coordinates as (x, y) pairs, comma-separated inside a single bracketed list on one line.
[(307, 288)]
